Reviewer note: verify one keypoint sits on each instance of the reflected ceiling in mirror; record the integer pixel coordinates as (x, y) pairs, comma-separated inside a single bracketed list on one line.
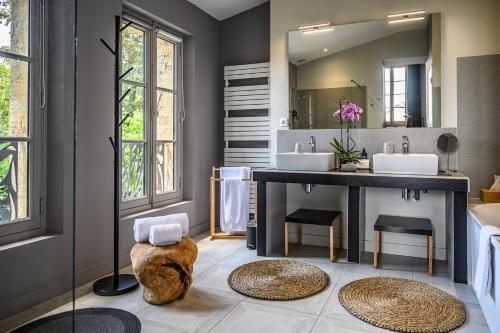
[(392, 71)]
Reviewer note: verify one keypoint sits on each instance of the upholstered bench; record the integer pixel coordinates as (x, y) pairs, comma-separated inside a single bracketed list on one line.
[(399, 224), (316, 217), (165, 272)]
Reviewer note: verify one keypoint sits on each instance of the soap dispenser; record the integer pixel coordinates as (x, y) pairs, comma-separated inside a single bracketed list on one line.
[(364, 154), (364, 162)]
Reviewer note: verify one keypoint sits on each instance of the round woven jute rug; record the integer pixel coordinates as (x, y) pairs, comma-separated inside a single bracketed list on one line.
[(402, 305), (278, 280)]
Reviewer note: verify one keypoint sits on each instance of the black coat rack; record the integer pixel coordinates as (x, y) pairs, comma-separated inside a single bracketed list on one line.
[(117, 284)]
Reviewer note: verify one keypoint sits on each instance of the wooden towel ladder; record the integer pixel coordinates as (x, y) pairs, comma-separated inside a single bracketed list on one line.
[(225, 235)]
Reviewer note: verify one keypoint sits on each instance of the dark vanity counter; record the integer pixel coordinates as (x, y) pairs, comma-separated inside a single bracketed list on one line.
[(456, 184), (365, 178)]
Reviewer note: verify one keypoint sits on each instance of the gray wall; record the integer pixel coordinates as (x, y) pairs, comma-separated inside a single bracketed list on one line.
[(245, 37), (479, 119)]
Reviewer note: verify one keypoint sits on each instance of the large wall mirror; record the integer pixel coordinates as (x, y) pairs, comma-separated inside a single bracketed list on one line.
[(392, 71)]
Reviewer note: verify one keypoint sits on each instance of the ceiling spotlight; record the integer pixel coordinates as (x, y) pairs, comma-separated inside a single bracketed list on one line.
[(406, 17), (312, 28), (325, 50)]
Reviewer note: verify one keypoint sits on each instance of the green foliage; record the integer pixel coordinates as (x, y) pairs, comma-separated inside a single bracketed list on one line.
[(4, 121), (132, 171), (133, 104), (4, 99), (133, 53), (4, 102), (347, 154), (5, 11)]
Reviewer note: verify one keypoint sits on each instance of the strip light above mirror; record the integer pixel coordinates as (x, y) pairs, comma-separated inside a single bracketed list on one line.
[(406, 17), (312, 28)]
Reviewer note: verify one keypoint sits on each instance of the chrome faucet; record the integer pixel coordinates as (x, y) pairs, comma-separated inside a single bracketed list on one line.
[(312, 142), (406, 145)]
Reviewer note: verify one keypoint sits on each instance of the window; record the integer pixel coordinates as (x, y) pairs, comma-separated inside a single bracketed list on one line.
[(151, 147), (395, 96), (20, 119)]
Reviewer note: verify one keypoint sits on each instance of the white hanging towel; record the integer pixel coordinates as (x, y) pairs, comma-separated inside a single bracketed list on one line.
[(165, 234), (143, 226), (235, 201), (482, 281)]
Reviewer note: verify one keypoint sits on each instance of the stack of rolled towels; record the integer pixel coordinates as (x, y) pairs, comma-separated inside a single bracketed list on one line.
[(161, 230)]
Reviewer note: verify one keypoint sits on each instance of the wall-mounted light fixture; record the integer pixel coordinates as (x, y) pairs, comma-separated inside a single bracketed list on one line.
[(312, 28), (406, 17)]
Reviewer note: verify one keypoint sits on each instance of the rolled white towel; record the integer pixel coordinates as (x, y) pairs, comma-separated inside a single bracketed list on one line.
[(165, 234), (143, 226)]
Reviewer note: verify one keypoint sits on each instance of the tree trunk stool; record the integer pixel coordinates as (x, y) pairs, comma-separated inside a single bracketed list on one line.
[(165, 272), (317, 217), (407, 225)]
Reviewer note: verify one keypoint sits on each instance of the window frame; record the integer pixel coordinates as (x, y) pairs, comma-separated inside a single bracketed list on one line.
[(152, 199), (392, 122), (34, 224)]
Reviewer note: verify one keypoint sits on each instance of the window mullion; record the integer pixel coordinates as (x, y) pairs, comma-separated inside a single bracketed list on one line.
[(392, 95), (153, 113)]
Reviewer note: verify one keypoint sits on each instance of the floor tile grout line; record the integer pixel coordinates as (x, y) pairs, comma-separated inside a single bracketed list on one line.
[(313, 325), (227, 314), (327, 299)]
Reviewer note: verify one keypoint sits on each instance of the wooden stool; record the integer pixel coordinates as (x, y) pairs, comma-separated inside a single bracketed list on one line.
[(317, 217), (407, 225), (165, 272)]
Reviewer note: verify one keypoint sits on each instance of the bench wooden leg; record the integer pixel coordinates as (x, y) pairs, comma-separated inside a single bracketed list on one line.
[(286, 239), (332, 258), (429, 245), (377, 248)]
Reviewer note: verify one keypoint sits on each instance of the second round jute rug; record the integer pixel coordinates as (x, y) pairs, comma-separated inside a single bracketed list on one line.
[(402, 305), (278, 280)]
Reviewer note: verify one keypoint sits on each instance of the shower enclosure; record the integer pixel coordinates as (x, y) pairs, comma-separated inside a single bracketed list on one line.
[(43, 232)]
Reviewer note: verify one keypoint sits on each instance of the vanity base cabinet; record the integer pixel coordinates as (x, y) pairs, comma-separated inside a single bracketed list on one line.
[(457, 185)]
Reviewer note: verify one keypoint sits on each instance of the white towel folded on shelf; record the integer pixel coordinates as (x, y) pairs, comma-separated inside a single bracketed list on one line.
[(143, 226), (482, 281), (235, 201), (165, 234)]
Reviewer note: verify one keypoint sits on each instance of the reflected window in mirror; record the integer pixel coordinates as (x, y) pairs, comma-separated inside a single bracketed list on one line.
[(395, 96)]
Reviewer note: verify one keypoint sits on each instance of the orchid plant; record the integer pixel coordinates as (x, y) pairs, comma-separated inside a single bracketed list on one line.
[(349, 114)]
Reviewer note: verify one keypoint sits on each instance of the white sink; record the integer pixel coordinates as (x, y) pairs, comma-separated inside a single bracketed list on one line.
[(305, 161), (408, 164)]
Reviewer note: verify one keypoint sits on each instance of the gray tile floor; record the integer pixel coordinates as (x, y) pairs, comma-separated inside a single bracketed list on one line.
[(212, 306)]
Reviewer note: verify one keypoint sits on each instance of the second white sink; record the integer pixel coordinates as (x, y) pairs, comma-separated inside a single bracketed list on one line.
[(305, 161), (410, 164)]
